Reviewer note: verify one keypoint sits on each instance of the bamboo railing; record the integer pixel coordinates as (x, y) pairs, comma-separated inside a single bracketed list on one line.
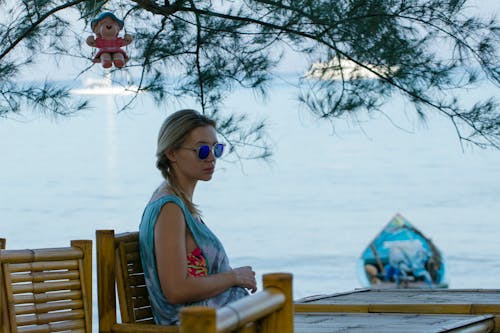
[(270, 310)]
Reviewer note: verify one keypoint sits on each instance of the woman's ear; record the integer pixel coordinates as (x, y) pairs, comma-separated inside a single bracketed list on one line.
[(171, 155)]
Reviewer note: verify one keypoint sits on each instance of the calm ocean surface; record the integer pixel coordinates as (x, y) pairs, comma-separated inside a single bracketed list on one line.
[(310, 211)]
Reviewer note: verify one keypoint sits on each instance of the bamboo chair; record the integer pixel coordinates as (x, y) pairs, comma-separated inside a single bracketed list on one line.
[(119, 266), (47, 290)]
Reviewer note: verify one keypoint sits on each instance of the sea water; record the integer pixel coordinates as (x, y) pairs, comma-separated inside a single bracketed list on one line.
[(310, 210)]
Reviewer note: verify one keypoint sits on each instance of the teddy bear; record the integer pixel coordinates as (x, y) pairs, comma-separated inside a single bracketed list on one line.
[(106, 27)]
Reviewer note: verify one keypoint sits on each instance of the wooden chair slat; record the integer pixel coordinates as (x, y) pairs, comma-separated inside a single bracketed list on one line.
[(42, 287), (149, 320), (46, 307), (136, 280), (135, 269), (45, 276), (43, 265), (37, 255), (132, 261), (141, 302), (142, 313), (45, 318), (74, 326), (34, 329), (139, 291), (47, 297)]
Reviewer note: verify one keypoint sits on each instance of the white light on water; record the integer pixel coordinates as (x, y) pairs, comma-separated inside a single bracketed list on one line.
[(104, 86)]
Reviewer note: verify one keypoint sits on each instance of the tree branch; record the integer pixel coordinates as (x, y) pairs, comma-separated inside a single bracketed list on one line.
[(164, 11), (35, 24), (198, 60)]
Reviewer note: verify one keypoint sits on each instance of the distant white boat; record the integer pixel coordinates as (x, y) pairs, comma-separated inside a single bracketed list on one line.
[(345, 69), (103, 86)]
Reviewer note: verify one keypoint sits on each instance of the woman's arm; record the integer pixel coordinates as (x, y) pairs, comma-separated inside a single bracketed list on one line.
[(171, 262)]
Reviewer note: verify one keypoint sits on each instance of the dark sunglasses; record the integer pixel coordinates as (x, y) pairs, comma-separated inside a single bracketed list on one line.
[(204, 150)]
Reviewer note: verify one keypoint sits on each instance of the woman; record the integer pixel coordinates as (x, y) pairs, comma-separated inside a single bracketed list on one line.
[(184, 262)]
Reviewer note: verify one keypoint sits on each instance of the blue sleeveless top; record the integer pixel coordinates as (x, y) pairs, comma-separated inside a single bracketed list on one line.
[(217, 261)]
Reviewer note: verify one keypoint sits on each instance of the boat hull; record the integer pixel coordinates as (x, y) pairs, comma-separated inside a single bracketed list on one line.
[(377, 260)]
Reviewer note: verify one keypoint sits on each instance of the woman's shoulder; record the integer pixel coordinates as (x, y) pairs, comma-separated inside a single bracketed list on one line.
[(158, 203), (162, 195), (166, 198), (152, 212)]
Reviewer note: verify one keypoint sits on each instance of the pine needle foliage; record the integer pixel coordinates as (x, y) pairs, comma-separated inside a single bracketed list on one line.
[(361, 53)]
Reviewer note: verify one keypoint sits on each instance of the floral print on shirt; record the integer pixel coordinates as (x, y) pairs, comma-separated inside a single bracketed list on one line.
[(197, 265)]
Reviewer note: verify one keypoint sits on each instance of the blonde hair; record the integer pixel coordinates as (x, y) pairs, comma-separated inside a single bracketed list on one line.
[(172, 135)]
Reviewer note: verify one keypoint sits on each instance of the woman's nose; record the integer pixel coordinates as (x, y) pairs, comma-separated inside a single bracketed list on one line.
[(211, 156)]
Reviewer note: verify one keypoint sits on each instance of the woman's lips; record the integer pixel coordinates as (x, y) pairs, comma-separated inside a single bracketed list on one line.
[(209, 170)]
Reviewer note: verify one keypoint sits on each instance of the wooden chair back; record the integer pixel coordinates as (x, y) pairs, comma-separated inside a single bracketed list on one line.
[(47, 290), (120, 273), (2, 243), (133, 297)]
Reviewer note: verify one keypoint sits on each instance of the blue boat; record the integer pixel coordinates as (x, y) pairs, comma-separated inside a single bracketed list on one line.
[(402, 257)]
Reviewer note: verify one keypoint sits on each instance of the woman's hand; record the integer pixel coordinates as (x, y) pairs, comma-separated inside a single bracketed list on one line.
[(245, 277)]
